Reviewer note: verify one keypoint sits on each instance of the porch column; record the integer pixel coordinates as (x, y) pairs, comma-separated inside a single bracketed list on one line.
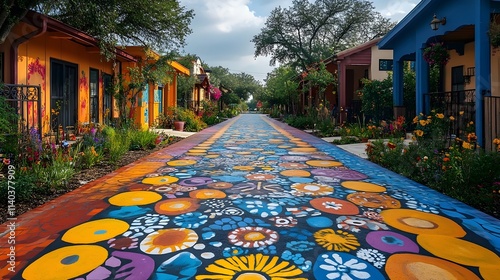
[(422, 69), (398, 77), (342, 92), (482, 57)]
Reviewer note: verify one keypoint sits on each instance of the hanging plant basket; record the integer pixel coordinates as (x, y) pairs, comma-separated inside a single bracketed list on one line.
[(494, 33), (436, 54)]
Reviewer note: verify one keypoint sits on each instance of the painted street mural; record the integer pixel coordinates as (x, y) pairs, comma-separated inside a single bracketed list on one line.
[(255, 199)]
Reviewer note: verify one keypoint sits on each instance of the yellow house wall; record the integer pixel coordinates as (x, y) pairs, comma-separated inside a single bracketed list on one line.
[(37, 53), (375, 73), (466, 60)]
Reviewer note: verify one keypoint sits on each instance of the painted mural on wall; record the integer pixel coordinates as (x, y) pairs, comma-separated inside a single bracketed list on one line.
[(36, 75), (256, 201), (83, 96)]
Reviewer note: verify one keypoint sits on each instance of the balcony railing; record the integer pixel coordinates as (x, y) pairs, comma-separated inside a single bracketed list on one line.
[(26, 101)]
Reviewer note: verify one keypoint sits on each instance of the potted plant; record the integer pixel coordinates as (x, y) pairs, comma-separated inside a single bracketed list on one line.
[(180, 115), (436, 54)]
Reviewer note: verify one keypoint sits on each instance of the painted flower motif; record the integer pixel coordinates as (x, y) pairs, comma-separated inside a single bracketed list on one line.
[(373, 256), (315, 189), (284, 221), (304, 211), (332, 205), (259, 207), (254, 266), (234, 222), (336, 240), (300, 246), (345, 267), (234, 251), (267, 250), (355, 223), (296, 233), (191, 220), (252, 237), (372, 215), (168, 241), (123, 243), (297, 259)]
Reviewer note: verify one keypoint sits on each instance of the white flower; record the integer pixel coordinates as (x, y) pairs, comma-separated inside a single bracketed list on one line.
[(344, 270), (333, 205)]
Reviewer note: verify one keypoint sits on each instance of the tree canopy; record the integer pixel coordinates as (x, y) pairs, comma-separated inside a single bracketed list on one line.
[(159, 25), (307, 32), (281, 89)]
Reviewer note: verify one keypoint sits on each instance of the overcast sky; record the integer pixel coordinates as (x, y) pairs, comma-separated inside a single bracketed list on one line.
[(222, 30)]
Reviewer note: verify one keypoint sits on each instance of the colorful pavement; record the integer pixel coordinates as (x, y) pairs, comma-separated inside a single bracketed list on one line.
[(252, 198)]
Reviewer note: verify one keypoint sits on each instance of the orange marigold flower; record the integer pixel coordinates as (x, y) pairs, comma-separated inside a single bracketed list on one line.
[(423, 122), (466, 145), (461, 113), (440, 116), (452, 118), (419, 133), (446, 159), (415, 119)]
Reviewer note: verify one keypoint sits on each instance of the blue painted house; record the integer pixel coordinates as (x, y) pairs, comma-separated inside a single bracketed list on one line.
[(469, 82)]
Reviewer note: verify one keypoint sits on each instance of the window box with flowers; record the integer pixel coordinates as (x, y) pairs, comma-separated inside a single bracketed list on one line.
[(436, 54)]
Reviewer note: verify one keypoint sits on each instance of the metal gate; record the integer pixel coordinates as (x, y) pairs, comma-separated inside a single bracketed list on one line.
[(491, 121), (26, 100)]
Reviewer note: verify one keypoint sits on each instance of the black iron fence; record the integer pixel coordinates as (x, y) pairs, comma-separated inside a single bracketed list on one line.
[(491, 121), (460, 104), (26, 100)]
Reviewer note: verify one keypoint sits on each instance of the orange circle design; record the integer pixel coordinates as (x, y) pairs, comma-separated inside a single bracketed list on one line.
[(373, 200), (458, 250), (419, 222), (295, 173), (363, 186), (181, 162), (220, 185), (323, 163), (160, 180), (176, 206), (207, 194), (416, 267)]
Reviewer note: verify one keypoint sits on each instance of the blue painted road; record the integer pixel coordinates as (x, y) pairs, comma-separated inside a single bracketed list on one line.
[(253, 198)]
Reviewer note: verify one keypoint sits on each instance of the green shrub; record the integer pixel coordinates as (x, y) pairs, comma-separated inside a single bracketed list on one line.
[(55, 175), (460, 170), (25, 183), (142, 139), (193, 122), (300, 122), (117, 143)]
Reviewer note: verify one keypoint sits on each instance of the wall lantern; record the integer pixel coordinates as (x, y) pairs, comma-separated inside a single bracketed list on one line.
[(436, 22)]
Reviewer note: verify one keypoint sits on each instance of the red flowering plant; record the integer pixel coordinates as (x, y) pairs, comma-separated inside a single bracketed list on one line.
[(215, 93), (436, 54)]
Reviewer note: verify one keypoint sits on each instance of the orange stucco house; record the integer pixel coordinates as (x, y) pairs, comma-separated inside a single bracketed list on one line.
[(155, 99), (60, 81)]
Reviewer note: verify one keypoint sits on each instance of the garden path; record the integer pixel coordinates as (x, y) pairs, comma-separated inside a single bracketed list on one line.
[(252, 198)]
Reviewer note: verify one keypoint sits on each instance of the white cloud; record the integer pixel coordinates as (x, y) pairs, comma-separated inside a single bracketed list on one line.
[(223, 30), (231, 15)]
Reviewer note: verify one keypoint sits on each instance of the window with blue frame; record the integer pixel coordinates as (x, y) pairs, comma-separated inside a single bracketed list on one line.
[(385, 64)]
